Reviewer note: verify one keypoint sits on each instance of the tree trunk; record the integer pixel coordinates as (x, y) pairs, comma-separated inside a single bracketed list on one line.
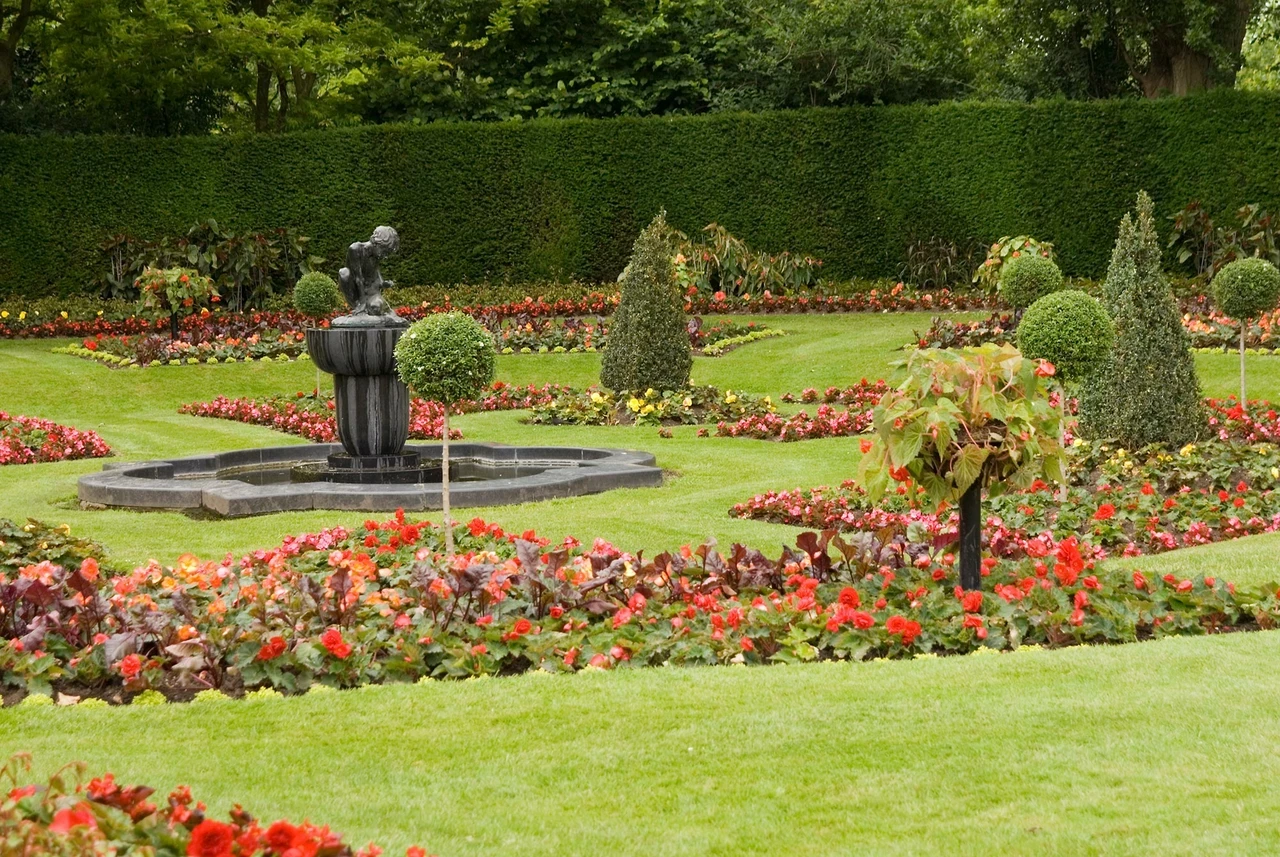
[(262, 100), (971, 536), (444, 486), (9, 48), (1175, 68), (282, 117), (1244, 402)]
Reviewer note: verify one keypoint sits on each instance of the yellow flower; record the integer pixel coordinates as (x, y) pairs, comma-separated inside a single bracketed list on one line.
[(730, 398), (22, 315), (634, 404), (1077, 442), (650, 393), (647, 409), (1187, 450), (597, 398), (63, 313), (4, 313), (688, 402), (1275, 473)]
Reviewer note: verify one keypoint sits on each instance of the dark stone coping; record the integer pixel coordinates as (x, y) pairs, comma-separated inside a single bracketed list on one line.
[(192, 483)]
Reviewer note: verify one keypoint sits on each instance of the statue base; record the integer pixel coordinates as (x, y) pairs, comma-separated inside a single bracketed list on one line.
[(371, 402)]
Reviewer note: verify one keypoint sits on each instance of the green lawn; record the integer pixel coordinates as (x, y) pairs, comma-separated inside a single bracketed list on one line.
[(1155, 748), (1170, 747)]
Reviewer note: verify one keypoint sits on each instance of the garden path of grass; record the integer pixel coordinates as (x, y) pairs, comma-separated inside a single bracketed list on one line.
[(1167, 747)]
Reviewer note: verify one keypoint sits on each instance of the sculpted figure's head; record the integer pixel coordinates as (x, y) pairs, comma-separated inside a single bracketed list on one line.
[(385, 241)]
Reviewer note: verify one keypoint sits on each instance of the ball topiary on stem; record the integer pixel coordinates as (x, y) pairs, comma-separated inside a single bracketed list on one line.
[(1072, 331), (316, 295), (1026, 279), (1246, 289), (446, 358), (648, 340)]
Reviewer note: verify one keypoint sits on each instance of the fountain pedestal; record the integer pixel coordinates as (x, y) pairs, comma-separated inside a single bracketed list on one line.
[(371, 401)]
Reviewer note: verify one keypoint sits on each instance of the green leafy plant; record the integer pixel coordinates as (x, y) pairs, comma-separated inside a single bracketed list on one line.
[(961, 421), (1148, 392), (723, 263), (175, 290), (939, 263), (1026, 279), (1206, 248), (446, 358), (1245, 289), (648, 341), (1005, 250)]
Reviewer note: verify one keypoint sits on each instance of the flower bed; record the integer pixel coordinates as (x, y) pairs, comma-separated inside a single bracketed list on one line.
[(381, 604), (1122, 503), (527, 334), (68, 816), (829, 421), (215, 338), (312, 417), (690, 406), (1209, 331), (86, 319), (27, 440)]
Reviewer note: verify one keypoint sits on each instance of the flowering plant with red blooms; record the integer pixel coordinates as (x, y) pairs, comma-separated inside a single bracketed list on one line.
[(856, 418), (229, 339), (312, 417), (385, 604), (27, 440), (67, 817), (1125, 503)]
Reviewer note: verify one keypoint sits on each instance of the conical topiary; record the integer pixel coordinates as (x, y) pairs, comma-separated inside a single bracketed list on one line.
[(648, 343), (1148, 392)]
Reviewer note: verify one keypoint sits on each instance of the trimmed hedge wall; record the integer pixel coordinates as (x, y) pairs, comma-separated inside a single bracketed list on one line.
[(524, 201)]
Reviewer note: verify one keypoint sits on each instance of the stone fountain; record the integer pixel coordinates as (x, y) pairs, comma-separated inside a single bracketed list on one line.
[(372, 469), (358, 350)]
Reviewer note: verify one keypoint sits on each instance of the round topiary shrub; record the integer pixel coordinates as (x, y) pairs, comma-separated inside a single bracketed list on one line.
[(1244, 289), (1247, 288), (316, 295), (446, 358), (1026, 279), (1071, 330)]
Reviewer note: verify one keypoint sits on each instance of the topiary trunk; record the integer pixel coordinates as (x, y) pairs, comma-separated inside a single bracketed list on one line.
[(648, 343)]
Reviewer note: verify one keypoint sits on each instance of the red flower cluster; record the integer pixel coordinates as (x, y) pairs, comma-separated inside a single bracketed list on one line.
[(65, 816), (828, 422), (308, 416), (25, 440)]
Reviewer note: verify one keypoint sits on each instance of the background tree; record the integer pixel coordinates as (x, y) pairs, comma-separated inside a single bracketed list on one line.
[(648, 345), (1148, 392), (1245, 289), (445, 358)]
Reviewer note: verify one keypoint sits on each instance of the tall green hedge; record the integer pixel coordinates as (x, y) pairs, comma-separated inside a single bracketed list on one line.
[(526, 200)]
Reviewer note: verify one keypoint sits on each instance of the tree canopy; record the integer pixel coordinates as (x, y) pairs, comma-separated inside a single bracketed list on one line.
[(162, 67)]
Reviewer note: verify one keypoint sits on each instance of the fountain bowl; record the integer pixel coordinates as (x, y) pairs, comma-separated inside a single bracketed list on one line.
[(293, 478)]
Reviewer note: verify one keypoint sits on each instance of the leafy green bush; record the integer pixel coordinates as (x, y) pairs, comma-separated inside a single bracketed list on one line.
[(316, 295), (1148, 392), (648, 341), (1247, 288), (1026, 279), (1069, 329), (1005, 251)]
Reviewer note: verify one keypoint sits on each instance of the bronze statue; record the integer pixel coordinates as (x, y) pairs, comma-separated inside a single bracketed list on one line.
[(361, 282)]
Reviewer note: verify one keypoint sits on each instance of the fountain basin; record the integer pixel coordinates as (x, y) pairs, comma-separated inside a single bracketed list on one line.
[(261, 481)]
